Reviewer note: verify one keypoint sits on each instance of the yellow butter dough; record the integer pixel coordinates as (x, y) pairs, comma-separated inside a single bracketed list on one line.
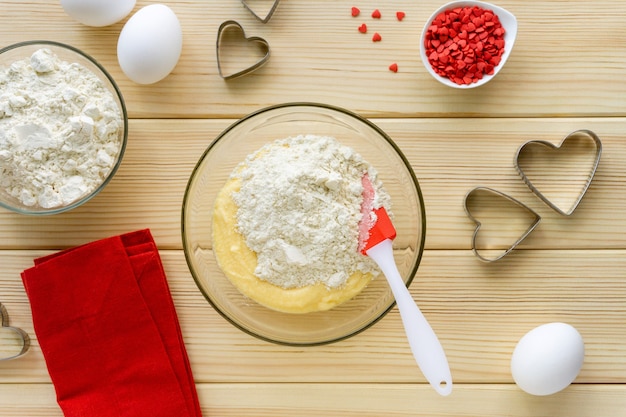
[(238, 263)]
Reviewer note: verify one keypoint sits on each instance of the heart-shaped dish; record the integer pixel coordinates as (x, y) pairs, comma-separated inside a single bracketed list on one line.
[(14, 342), (506, 220), (508, 21), (269, 5), (560, 174), (237, 54)]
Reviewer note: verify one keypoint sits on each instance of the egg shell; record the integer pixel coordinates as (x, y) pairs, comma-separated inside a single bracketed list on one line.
[(150, 44), (548, 358), (98, 12)]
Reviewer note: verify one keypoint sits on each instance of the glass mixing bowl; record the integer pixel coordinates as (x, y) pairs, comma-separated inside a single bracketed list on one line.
[(245, 137), (23, 51)]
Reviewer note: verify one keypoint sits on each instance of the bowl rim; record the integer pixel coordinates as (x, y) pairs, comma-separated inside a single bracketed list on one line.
[(303, 104), (124, 114), (510, 37)]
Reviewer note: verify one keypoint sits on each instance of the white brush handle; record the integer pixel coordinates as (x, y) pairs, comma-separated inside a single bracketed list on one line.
[(425, 345)]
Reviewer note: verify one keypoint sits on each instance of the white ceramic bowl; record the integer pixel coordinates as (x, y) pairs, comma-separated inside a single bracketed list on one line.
[(508, 21)]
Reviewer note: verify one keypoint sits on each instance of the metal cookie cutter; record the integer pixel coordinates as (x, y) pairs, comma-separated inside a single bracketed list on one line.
[(581, 145), (21, 334), (472, 202), (267, 16), (236, 29)]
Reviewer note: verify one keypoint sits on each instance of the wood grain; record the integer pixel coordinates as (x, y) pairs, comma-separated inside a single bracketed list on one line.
[(564, 74), (356, 400), (149, 187), (478, 310), (319, 55)]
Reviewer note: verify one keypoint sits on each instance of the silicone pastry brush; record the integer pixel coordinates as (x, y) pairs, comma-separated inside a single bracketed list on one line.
[(377, 233)]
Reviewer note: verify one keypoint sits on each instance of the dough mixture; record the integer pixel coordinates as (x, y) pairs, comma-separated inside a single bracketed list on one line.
[(286, 224)]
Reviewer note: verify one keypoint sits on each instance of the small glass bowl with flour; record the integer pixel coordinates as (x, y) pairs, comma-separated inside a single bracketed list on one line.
[(63, 127)]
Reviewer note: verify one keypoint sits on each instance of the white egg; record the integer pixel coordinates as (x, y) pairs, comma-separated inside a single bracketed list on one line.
[(150, 44), (98, 12), (548, 358)]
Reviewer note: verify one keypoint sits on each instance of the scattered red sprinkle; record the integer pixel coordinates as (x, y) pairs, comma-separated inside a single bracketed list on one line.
[(376, 14), (465, 43)]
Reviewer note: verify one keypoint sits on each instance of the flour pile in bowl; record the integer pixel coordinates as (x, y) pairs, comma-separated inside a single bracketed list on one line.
[(59, 131), (295, 205)]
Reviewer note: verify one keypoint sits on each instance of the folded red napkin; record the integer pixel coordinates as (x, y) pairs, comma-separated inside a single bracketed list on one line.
[(106, 324)]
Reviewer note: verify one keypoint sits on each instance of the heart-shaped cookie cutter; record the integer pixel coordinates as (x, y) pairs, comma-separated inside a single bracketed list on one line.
[(268, 15), (23, 336), (591, 173), (468, 205), (233, 25)]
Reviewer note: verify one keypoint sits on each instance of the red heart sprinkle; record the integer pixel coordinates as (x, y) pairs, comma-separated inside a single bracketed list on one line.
[(465, 43), (400, 15), (376, 37), (363, 28), (393, 67), (376, 14), (355, 12)]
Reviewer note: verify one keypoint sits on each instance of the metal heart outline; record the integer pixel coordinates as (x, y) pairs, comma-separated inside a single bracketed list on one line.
[(265, 18), (4, 315), (468, 210), (233, 25), (598, 152)]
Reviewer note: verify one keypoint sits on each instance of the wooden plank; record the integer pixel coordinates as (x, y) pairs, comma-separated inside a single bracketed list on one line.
[(559, 79), (318, 55), (350, 400), (479, 312), (447, 155)]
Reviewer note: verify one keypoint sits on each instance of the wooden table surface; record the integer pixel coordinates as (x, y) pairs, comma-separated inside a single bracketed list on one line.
[(566, 72)]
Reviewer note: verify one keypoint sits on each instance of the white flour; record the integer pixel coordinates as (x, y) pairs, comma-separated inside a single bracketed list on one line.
[(59, 131), (299, 209)]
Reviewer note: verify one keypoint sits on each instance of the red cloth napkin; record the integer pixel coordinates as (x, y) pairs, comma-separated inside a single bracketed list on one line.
[(104, 318)]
